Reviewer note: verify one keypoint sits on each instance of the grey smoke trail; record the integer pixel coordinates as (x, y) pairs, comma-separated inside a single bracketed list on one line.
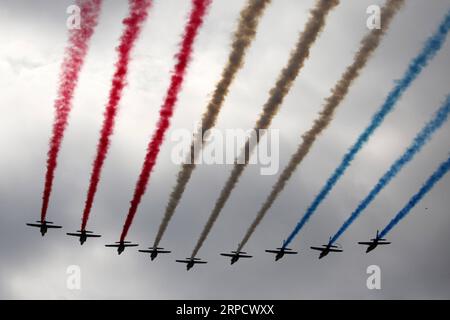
[(243, 37), (368, 45), (313, 27)]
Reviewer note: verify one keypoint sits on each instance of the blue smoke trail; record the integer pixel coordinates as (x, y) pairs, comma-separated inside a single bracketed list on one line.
[(429, 184), (432, 46), (419, 141)]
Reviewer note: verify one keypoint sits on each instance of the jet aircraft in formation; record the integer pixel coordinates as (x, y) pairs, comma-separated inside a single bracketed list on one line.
[(325, 249)]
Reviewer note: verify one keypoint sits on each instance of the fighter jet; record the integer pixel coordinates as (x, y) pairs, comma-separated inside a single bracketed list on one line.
[(236, 255), (374, 243), (190, 262), (154, 252), (44, 226), (326, 249), (280, 252), (121, 245), (83, 235)]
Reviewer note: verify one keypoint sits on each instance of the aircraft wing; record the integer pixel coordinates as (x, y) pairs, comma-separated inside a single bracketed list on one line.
[(369, 243), (146, 251), (273, 251), (245, 256), (335, 250), (33, 225), (290, 252), (130, 244), (200, 261), (93, 235), (53, 227), (182, 261), (227, 254), (74, 234), (163, 251), (318, 248), (112, 245)]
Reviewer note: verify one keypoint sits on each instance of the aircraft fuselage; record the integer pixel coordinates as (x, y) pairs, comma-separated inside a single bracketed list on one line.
[(372, 246), (279, 255), (83, 238), (324, 253)]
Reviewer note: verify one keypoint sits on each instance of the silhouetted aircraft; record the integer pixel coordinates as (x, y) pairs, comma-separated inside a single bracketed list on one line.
[(190, 262), (280, 252), (326, 249), (121, 245), (83, 235), (154, 252), (373, 243), (236, 255), (44, 226)]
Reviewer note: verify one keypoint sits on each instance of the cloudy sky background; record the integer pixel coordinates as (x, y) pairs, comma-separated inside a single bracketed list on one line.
[(33, 36)]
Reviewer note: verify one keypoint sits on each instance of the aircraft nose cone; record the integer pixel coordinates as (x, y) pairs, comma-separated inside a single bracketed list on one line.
[(370, 248)]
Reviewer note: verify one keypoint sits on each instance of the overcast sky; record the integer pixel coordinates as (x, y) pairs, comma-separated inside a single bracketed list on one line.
[(33, 36)]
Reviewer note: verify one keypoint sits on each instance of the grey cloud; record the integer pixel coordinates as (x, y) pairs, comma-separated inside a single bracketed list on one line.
[(415, 266)]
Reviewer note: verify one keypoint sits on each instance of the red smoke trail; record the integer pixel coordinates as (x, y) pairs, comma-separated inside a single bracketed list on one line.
[(199, 8), (70, 69), (133, 25)]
